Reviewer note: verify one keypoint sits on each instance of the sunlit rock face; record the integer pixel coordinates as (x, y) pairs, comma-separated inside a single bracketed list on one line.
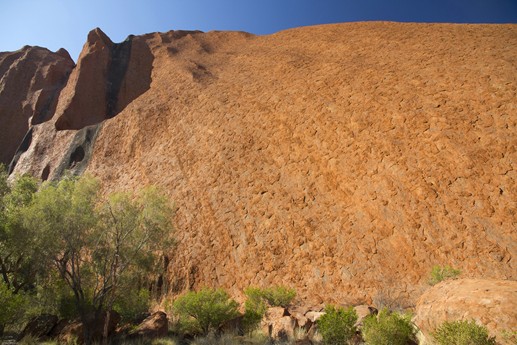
[(343, 160)]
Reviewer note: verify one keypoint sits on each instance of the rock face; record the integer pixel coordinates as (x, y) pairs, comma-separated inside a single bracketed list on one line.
[(30, 82), (107, 78), (489, 302), (39, 326), (156, 325), (339, 159)]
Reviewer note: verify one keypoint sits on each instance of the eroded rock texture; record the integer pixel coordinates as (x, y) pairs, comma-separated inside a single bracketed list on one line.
[(30, 82), (489, 302), (342, 160), (107, 78)]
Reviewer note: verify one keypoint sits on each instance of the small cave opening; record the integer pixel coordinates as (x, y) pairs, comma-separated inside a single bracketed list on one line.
[(45, 173), (76, 156)]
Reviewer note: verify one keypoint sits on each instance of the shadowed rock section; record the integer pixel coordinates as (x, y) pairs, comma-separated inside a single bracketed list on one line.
[(79, 152), (30, 82), (107, 78)]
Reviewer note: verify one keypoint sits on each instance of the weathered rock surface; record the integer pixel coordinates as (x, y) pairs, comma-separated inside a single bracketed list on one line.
[(338, 159), (30, 82), (156, 325), (492, 303), (278, 323), (108, 77), (39, 326), (73, 332)]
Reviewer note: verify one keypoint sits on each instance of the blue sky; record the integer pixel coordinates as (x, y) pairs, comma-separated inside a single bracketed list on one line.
[(65, 23)]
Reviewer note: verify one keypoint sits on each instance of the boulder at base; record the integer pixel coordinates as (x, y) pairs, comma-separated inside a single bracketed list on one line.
[(156, 325), (39, 326), (492, 303)]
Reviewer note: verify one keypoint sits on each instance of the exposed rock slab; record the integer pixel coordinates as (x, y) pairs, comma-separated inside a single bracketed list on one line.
[(336, 159), (339, 159), (491, 303), (156, 325), (108, 76), (30, 82)]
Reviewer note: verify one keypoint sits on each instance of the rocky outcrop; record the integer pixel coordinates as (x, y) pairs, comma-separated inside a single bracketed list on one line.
[(154, 326), (342, 160), (30, 82), (492, 303), (73, 332), (107, 78), (39, 326)]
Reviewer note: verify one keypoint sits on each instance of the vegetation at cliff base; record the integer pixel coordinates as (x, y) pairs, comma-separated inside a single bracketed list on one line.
[(71, 250), (388, 328), (439, 273), (205, 310), (337, 326), (462, 333)]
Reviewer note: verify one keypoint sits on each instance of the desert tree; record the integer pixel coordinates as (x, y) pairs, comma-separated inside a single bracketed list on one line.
[(98, 244)]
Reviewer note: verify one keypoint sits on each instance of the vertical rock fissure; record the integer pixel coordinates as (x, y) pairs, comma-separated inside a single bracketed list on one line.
[(24, 146), (117, 68)]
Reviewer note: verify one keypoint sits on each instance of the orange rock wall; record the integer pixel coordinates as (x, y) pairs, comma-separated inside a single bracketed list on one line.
[(30, 82), (342, 160)]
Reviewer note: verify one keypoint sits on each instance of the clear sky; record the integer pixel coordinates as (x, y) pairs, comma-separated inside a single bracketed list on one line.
[(65, 23)]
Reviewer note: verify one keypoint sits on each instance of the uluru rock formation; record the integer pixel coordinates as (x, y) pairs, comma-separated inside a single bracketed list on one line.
[(30, 82), (487, 302), (343, 160)]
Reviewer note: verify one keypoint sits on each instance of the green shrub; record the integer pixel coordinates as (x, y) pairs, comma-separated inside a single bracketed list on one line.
[(509, 336), (462, 333), (439, 274), (132, 304), (337, 326), (388, 328), (12, 306), (254, 310), (276, 296), (206, 309)]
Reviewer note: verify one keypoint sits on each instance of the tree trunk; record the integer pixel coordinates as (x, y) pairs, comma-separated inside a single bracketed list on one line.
[(106, 328)]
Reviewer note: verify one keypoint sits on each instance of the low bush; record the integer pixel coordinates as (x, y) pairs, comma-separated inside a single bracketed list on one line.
[(254, 311), (132, 304), (276, 296), (207, 309), (12, 306), (462, 333), (337, 326), (388, 328), (510, 336), (439, 273)]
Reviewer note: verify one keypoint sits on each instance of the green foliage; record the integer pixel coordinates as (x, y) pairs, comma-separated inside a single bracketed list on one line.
[(22, 255), (509, 336), (276, 296), (208, 309), (462, 333), (388, 328), (132, 303), (337, 326), (254, 310), (98, 246), (439, 274), (12, 306)]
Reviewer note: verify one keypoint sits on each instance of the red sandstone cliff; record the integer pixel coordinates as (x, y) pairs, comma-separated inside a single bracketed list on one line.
[(30, 82), (343, 160)]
